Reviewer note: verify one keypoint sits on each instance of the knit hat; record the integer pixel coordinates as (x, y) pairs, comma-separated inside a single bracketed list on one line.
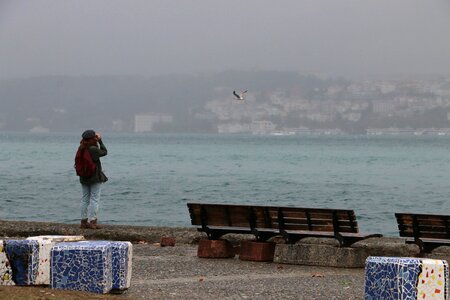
[(88, 134)]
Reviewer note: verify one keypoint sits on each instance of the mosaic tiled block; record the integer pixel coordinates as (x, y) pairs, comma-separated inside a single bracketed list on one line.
[(46, 242), (122, 254), (433, 280), (81, 266), (406, 278), (23, 256), (58, 238), (5, 267)]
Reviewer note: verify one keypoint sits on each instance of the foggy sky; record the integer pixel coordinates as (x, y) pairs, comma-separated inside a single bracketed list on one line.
[(349, 38)]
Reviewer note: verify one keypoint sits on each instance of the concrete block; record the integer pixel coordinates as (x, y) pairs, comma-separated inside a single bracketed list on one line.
[(442, 253), (46, 242), (122, 255), (323, 252), (320, 255), (257, 251), (388, 246), (406, 278), (5, 267), (23, 256), (215, 249), (82, 266)]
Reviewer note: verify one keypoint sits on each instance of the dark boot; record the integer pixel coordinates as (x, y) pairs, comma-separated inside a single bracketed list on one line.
[(84, 224), (93, 224)]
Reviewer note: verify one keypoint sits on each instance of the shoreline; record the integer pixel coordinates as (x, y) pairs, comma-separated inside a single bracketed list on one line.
[(132, 233)]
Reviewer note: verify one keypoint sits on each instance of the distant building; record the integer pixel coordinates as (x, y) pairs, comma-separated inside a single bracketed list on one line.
[(233, 128), (321, 117), (390, 131), (145, 122), (120, 126), (383, 107), (386, 87), (351, 116), (262, 127), (39, 129)]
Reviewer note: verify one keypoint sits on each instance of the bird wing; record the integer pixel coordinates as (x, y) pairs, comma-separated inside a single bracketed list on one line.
[(236, 95)]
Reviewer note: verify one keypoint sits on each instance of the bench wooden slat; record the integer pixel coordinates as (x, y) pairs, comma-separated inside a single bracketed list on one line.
[(310, 233), (317, 215), (424, 223), (441, 222), (343, 223), (426, 230), (262, 217), (331, 233), (309, 228), (315, 228), (231, 228), (411, 216)]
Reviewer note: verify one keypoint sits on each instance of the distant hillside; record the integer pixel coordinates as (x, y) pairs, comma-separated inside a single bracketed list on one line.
[(63, 103)]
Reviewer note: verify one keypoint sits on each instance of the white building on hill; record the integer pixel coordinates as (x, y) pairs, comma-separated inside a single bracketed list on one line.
[(145, 122)]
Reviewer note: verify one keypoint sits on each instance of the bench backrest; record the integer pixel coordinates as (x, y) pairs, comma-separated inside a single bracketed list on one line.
[(228, 215), (287, 218), (423, 226), (318, 219)]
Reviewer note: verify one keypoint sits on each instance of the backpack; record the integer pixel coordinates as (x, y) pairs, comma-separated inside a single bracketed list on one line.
[(84, 166)]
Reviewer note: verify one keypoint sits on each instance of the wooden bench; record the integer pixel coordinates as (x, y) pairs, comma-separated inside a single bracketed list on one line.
[(427, 231), (292, 223), (219, 219), (341, 224)]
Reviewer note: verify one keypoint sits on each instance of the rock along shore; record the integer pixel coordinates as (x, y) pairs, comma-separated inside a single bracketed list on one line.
[(134, 234)]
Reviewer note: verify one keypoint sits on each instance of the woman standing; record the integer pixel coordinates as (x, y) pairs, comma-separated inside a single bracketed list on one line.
[(91, 186)]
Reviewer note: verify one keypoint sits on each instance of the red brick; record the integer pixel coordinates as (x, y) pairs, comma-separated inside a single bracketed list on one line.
[(167, 241), (215, 249), (257, 251)]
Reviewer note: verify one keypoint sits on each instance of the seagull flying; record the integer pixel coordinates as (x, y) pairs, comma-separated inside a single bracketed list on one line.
[(239, 96)]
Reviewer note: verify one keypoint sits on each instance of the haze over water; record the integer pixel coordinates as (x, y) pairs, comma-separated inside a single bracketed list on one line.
[(152, 177), (349, 38)]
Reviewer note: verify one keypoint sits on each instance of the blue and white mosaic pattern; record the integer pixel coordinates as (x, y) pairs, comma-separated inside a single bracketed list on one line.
[(5, 267), (405, 278), (121, 264), (46, 242), (82, 266), (24, 259)]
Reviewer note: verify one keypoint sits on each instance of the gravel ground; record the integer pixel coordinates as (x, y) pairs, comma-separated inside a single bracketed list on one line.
[(177, 273)]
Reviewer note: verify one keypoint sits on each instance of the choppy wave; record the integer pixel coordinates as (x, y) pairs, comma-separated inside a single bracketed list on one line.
[(152, 177)]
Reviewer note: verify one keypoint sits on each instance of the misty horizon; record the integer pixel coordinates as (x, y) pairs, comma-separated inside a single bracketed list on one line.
[(276, 101), (350, 39)]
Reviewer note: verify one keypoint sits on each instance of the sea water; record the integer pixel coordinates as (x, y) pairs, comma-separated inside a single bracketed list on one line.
[(152, 177)]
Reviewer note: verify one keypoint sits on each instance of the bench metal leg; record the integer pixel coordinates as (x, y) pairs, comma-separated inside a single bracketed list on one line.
[(214, 235), (263, 236)]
